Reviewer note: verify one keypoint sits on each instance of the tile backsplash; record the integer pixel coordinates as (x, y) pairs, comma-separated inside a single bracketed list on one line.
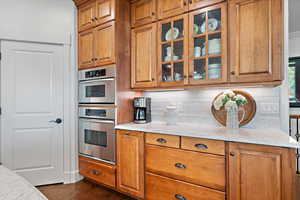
[(193, 105)]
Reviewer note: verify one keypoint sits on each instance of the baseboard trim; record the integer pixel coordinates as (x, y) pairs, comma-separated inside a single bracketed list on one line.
[(72, 177)]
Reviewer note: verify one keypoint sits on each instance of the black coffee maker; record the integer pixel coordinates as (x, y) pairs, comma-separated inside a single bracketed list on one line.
[(142, 110)]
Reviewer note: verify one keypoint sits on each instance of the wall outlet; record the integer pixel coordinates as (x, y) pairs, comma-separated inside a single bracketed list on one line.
[(269, 108)]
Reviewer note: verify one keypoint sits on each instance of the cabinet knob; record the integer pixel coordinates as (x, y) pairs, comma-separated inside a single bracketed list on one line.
[(191, 76), (201, 146), (96, 173), (179, 197), (95, 18), (95, 59), (153, 79), (153, 13), (184, 3), (161, 140), (232, 153), (181, 166), (191, 1), (185, 76), (232, 73)]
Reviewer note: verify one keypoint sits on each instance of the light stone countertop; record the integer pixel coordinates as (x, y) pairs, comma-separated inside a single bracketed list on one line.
[(14, 187), (270, 137)]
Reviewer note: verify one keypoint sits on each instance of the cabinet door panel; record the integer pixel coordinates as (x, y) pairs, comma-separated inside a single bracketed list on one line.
[(173, 51), (169, 8), (144, 56), (85, 49), (130, 162), (256, 40), (105, 44), (86, 15), (143, 12), (208, 48), (260, 172), (195, 4), (105, 11)]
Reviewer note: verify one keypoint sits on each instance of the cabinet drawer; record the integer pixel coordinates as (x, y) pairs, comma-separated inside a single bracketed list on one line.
[(97, 171), (163, 140), (159, 187), (198, 168), (203, 145)]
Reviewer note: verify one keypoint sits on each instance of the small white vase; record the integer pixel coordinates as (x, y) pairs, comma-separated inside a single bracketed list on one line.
[(232, 121)]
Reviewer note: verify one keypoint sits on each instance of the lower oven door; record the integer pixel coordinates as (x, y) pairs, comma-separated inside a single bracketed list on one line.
[(97, 139)]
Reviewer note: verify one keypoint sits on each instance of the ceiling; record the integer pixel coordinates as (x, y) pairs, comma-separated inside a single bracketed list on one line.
[(294, 16)]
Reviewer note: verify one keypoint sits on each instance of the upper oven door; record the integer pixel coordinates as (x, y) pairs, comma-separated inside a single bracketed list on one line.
[(97, 139), (97, 91)]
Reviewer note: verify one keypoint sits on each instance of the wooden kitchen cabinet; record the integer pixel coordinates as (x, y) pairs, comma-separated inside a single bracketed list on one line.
[(86, 49), (86, 15), (104, 45), (130, 163), (143, 12), (97, 46), (173, 51), (95, 12), (105, 11), (256, 40), (143, 56), (208, 45), (259, 172), (170, 8)]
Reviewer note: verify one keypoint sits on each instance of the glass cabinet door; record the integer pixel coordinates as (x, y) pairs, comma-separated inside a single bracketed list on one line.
[(208, 45), (173, 60)]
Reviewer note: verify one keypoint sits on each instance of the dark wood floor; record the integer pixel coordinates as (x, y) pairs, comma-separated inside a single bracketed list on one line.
[(83, 190)]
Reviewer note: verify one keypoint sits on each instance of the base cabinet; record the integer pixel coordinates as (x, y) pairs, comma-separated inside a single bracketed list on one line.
[(261, 173), (159, 187), (97, 171), (130, 163)]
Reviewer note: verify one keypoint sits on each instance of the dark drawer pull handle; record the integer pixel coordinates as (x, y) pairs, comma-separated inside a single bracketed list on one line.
[(161, 140), (201, 146), (96, 173), (181, 166), (180, 197)]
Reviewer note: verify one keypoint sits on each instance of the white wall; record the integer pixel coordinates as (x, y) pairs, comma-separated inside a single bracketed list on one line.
[(294, 44), (36, 20), (49, 21)]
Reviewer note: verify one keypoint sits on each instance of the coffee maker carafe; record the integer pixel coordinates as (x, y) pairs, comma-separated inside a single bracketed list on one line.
[(142, 110)]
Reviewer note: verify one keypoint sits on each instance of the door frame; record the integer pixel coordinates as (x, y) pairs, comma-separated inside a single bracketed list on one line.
[(70, 130)]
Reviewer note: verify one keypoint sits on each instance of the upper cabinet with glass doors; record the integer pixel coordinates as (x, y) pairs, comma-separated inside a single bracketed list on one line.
[(173, 51), (208, 45)]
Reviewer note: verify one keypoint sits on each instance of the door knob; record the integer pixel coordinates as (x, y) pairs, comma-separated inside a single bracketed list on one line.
[(58, 121)]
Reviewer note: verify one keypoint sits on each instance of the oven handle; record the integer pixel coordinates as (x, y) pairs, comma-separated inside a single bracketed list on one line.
[(99, 121), (98, 80)]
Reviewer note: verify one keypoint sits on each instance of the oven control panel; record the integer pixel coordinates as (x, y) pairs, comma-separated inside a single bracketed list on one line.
[(95, 73)]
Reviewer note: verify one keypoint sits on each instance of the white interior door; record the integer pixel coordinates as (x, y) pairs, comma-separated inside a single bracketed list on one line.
[(32, 96)]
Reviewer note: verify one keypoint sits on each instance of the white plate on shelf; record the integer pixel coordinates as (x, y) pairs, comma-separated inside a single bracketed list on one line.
[(172, 34), (212, 24)]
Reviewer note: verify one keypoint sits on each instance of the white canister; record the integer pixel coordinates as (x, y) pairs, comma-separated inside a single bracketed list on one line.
[(171, 114)]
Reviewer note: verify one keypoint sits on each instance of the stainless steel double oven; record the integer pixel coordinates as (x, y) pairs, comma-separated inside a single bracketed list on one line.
[(97, 113)]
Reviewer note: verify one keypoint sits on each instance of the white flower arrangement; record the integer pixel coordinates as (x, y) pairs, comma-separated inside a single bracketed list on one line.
[(229, 100)]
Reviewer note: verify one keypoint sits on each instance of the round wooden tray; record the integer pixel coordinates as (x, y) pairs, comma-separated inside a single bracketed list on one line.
[(250, 110)]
